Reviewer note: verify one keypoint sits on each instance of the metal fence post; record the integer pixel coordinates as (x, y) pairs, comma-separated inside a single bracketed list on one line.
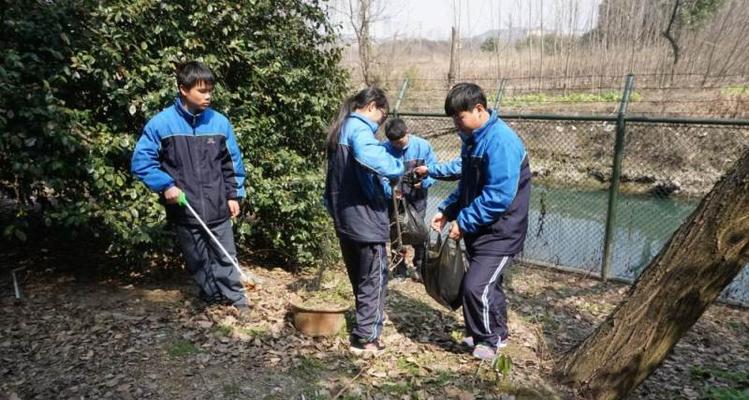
[(500, 94), (608, 238), (401, 95)]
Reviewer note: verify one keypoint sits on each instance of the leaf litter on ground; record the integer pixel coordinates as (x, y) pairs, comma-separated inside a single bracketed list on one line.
[(70, 339)]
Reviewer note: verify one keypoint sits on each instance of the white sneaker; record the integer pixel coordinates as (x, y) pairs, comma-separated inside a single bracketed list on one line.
[(468, 342)]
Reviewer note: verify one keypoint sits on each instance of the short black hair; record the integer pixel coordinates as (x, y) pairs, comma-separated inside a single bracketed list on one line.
[(193, 73), (395, 129), (463, 97)]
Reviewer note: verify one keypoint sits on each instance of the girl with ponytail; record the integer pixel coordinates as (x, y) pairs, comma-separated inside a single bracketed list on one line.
[(355, 198)]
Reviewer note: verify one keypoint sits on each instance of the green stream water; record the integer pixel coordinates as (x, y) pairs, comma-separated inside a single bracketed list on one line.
[(566, 227)]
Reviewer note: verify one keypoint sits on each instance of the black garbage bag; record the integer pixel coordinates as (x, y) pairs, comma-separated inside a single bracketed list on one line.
[(443, 272), (414, 230)]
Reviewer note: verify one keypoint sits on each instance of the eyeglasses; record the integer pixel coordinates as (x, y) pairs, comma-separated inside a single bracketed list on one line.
[(384, 112)]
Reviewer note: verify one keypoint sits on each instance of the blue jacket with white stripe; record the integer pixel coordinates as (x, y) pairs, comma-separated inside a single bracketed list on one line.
[(354, 195), (491, 202), (416, 153), (446, 171), (197, 153)]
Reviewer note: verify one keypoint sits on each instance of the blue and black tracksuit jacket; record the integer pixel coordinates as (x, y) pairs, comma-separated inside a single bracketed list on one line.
[(491, 202), (447, 171), (197, 153), (354, 195), (416, 153)]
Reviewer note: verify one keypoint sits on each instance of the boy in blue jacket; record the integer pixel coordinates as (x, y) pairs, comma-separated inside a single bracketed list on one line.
[(490, 211), (190, 148), (414, 152)]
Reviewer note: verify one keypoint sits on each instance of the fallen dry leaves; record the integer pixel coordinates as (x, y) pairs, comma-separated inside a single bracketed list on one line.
[(70, 339)]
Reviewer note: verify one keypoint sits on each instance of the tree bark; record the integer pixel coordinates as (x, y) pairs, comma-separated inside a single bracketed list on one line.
[(702, 257)]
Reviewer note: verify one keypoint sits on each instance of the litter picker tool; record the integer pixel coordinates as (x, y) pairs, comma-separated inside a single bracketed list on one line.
[(246, 277), (396, 245)]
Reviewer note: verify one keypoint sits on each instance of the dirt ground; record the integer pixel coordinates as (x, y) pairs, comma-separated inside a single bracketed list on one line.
[(99, 337)]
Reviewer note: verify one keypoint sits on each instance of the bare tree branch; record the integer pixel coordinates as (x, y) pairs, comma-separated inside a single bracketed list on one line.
[(668, 34)]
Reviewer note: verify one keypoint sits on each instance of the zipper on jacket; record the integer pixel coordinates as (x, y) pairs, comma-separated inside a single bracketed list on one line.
[(202, 195)]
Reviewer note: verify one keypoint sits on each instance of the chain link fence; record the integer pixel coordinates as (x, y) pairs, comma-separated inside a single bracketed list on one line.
[(666, 168)]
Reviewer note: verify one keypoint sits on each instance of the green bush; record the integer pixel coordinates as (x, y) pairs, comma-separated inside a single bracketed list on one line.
[(79, 79)]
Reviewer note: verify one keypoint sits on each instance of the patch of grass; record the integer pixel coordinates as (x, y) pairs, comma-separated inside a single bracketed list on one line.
[(735, 90), (181, 348), (252, 331), (736, 378), (406, 366), (736, 326), (727, 394), (739, 381), (609, 96)]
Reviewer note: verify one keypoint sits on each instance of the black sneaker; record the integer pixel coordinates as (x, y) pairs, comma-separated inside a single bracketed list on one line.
[(373, 348)]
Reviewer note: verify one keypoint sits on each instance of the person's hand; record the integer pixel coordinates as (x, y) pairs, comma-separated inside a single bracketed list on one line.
[(172, 195), (233, 208), (421, 170), (455, 232), (417, 185), (438, 221)]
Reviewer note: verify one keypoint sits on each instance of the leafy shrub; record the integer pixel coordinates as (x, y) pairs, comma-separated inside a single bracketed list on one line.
[(79, 79)]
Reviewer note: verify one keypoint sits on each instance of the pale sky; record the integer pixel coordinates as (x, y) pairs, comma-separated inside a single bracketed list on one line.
[(432, 19)]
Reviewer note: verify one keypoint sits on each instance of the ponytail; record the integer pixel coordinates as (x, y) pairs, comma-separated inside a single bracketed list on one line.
[(334, 131), (355, 102)]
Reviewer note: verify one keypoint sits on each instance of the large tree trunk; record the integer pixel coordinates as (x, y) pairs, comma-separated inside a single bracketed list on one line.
[(703, 257)]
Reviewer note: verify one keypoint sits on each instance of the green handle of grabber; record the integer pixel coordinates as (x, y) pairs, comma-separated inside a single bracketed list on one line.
[(182, 199)]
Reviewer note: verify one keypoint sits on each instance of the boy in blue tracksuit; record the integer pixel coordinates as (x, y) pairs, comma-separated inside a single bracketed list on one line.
[(490, 211), (414, 152), (190, 148), (356, 201)]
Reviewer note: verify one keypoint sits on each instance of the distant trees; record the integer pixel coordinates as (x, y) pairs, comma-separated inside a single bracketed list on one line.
[(665, 42), (548, 43), (490, 45), (681, 31), (361, 15)]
